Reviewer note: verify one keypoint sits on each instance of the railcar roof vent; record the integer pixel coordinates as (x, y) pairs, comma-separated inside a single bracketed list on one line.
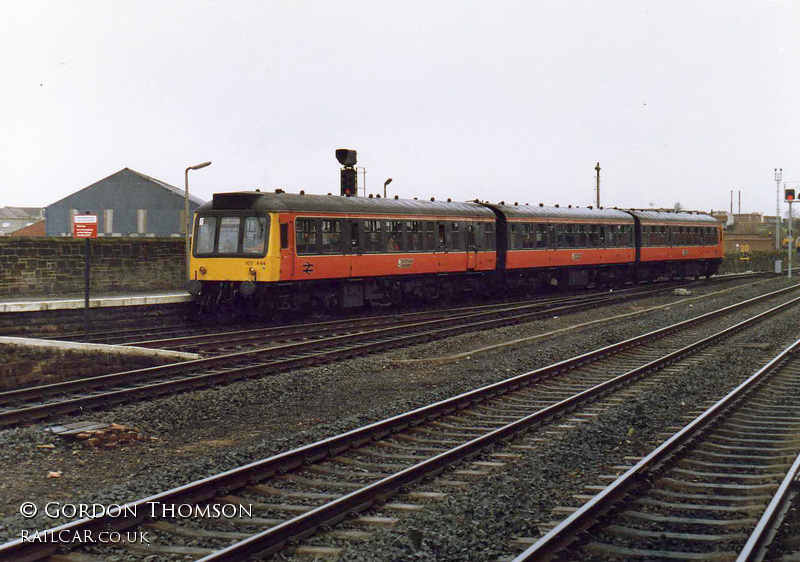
[(433, 198), (415, 198), (590, 207), (302, 192), (279, 190), (258, 190), (541, 204), (449, 200), (516, 204), (502, 202), (397, 197), (556, 205)]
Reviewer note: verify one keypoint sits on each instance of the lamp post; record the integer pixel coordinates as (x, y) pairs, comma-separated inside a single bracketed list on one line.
[(778, 178), (188, 217), (387, 182)]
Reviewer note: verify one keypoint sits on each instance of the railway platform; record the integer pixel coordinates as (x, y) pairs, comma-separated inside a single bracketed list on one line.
[(45, 303)]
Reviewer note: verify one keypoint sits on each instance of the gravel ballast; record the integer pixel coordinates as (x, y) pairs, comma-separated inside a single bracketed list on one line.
[(206, 432)]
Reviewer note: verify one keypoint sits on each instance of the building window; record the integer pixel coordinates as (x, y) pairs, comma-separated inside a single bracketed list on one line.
[(141, 221)]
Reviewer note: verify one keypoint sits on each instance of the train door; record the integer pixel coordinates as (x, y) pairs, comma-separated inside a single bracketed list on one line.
[(287, 253), (472, 248), (355, 249)]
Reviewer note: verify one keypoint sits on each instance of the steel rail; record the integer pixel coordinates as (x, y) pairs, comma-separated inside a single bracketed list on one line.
[(757, 544), (255, 359), (567, 531), (273, 539), (260, 470)]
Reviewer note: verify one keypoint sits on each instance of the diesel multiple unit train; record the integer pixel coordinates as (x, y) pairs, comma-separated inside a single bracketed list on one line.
[(259, 253)]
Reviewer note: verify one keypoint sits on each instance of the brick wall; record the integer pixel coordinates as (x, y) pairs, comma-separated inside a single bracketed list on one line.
[(54, 266)]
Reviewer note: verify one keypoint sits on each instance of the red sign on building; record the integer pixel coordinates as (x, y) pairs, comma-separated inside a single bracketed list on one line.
[(84, 226)]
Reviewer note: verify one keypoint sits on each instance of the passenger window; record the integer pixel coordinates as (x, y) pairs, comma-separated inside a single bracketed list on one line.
[(455, 236), (541, 236), (372, 236), (430, 236), (414, 236), (442, 238), (306, 234), (488, 236), (470, 238), (394, 236), (331, 236), (528, 236)]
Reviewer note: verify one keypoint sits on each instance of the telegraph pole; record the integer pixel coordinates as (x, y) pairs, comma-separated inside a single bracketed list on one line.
[(778, 178), (597, 168)]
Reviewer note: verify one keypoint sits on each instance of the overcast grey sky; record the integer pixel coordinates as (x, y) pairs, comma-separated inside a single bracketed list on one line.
[(514, 100)]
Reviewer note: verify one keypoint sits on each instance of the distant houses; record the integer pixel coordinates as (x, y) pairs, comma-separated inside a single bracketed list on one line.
[(12, 219)]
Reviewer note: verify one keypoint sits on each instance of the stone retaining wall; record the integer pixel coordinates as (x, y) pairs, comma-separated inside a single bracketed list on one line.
[(22, 366), (54, 266)]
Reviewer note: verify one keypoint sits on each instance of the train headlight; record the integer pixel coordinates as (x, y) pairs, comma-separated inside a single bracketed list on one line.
[(203, 270), (252, 269)]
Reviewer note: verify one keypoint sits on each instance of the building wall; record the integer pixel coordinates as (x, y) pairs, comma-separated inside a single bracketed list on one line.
[(125, 193), (54, 266), (734, 242)]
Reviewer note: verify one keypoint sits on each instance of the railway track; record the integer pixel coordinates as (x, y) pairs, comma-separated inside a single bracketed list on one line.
[(238, 339), (178, 334), (716, 490), (40, 402), (295, 493)]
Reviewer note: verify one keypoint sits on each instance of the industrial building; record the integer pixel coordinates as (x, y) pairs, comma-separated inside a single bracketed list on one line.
[(127, 203)]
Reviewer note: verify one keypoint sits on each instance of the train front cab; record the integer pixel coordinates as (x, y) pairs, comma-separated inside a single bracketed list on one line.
[(233, 251)]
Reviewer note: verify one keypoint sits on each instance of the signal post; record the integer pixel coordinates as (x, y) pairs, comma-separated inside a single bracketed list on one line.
[(789, 196)]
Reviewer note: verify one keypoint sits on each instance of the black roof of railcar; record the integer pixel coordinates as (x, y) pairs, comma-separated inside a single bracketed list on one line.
[(660, 217), (561, 213), (294, 202)]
